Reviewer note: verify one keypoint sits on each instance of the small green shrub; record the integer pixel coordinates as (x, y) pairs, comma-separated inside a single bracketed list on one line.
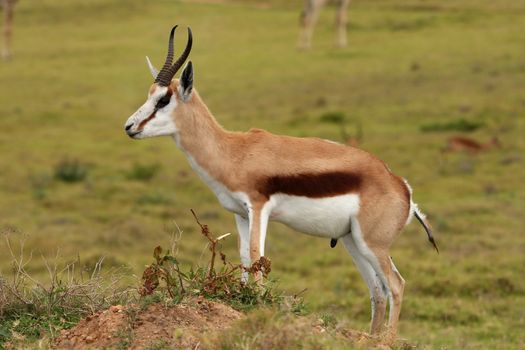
[(340, 119), (70, 170), (329, 320), (334, 117), (461, 125), (297, 305), (143, 172)]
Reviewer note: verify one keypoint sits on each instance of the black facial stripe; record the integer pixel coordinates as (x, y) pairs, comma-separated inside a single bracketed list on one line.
[(163, 101)]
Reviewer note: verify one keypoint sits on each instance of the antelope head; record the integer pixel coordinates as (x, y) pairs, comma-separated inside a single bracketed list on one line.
[(157, 116)]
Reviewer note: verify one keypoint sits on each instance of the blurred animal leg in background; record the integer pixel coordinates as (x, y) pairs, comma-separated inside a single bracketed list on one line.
[(309, 18), (341, 23), (7, 31)]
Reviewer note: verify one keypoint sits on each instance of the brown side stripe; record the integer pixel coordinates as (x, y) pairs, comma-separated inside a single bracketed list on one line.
[(312, 185), (145, 121)]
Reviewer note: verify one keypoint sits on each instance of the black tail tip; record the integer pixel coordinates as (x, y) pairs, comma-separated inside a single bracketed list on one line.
[(431, 239), (333, 243)]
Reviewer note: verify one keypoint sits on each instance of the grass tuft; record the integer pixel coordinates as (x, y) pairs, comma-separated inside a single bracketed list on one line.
[(143, 172), (461, 125), (31, 309), (334, 117), (70, 170)]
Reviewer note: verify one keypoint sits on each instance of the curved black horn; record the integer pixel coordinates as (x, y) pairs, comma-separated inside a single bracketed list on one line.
[(163, 78), (180, 61)]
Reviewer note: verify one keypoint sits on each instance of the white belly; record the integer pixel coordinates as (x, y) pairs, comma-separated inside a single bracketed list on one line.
[(324, 217)]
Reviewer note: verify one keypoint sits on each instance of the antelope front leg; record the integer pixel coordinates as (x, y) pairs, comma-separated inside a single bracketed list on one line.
[(258, 225), (243, 227)]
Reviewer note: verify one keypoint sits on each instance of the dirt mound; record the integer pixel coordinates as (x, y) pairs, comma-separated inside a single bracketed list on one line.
[(132, 327)]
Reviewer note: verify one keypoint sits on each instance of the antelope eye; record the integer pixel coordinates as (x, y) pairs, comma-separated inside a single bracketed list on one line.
[(163, 101)]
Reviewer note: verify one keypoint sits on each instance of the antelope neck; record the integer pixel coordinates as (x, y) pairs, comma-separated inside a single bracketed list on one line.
[(202, 139)]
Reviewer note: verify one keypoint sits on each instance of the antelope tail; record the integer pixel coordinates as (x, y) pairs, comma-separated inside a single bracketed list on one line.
[(423, 221)]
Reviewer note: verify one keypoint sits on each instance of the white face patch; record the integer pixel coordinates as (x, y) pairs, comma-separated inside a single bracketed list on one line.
[(153, 118)]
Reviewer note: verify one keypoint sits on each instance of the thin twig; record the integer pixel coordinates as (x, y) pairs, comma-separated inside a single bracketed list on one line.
[(213, 243)]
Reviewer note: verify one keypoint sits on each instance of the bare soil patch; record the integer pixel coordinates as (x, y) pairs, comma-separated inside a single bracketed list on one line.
[(131, 327)]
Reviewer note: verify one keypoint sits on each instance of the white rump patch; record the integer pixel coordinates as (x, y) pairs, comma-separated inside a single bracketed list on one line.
[(413, 206)]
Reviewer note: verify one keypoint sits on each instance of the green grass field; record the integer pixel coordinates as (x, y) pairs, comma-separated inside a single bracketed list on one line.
[(79, 71)]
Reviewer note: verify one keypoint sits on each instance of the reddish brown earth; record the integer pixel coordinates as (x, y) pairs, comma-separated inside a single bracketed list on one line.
[(185, 325), (130, 327)]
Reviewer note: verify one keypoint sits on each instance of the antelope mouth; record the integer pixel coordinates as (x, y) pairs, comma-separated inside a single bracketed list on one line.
[(133, 134)]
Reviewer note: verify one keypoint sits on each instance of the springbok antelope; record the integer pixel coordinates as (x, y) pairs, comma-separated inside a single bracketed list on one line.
[(466, 144), (315, 186), (309, 17)]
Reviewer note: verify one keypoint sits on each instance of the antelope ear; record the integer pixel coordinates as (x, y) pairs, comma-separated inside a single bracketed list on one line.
[(186, 81), (154, 71)]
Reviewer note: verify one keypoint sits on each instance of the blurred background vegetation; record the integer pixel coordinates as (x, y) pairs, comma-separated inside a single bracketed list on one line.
[(415, 73)]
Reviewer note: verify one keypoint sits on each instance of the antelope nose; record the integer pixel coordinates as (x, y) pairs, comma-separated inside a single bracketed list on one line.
[(128, 126)]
